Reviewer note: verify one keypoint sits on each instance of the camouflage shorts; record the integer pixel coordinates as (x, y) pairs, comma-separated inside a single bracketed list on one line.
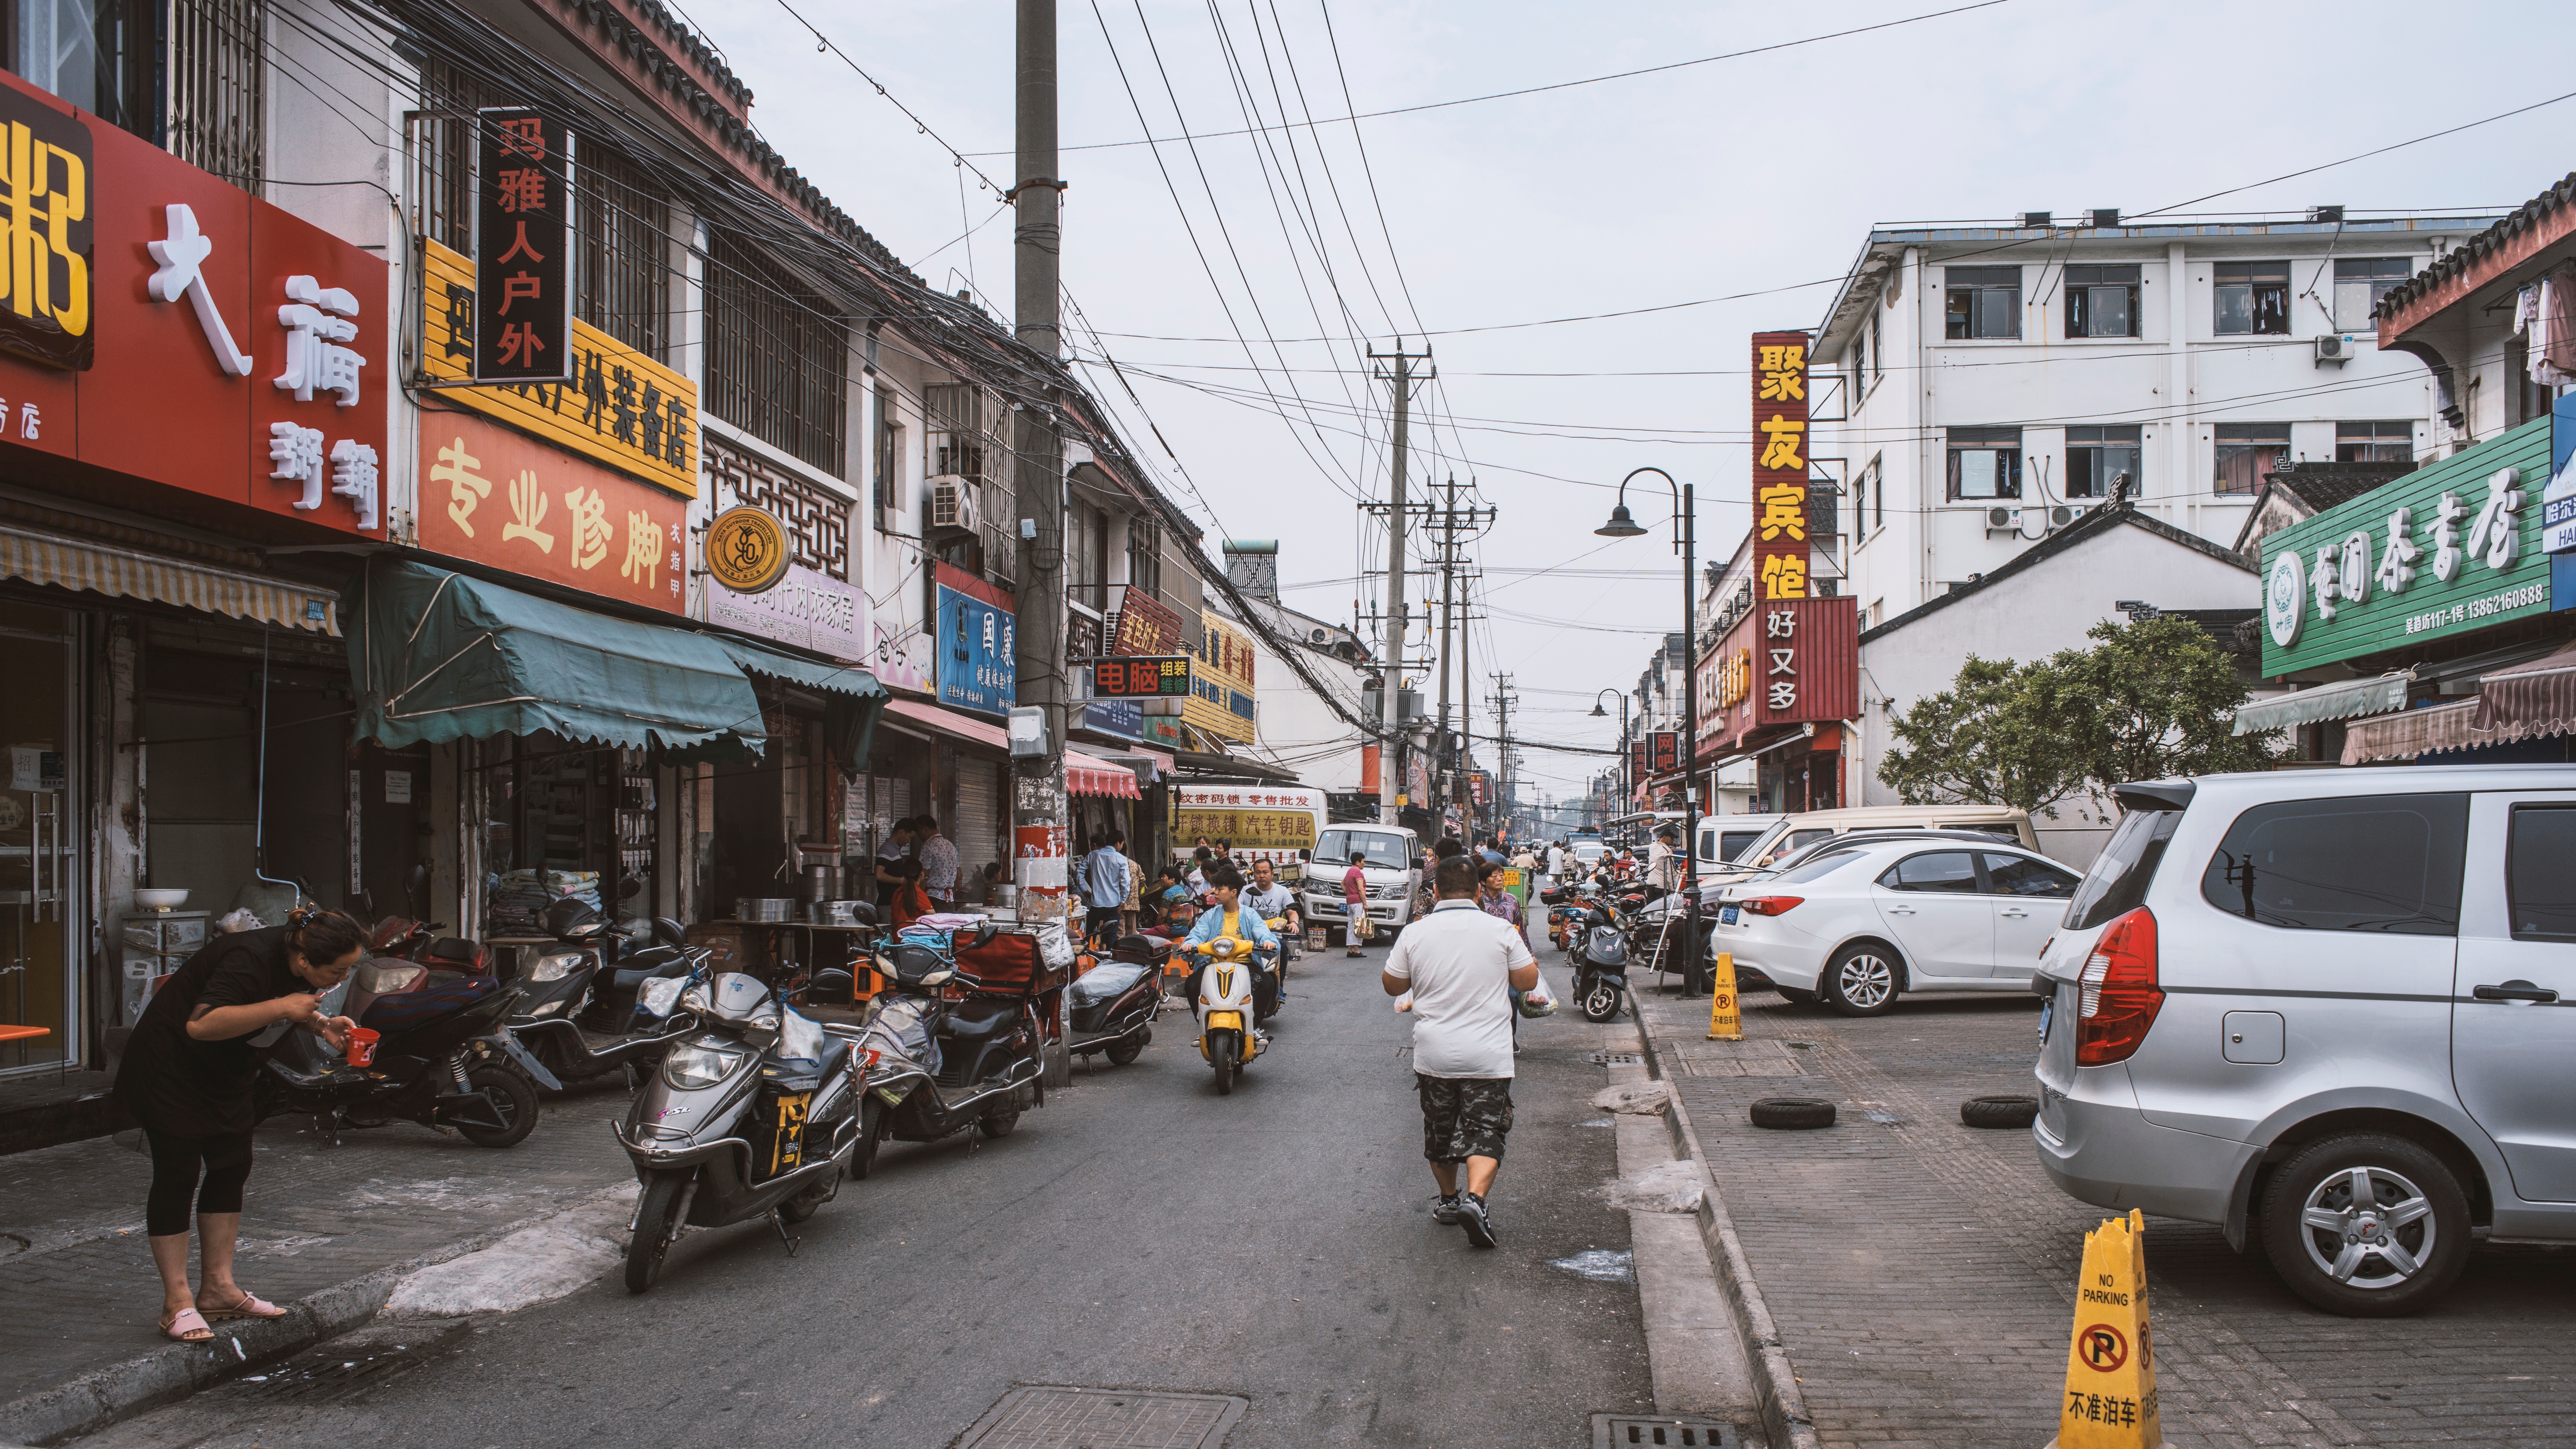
[(1464, 1117)]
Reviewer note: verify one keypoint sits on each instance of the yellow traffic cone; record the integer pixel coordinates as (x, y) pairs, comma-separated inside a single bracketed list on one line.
[(1725, 1013), (2110, 1399)]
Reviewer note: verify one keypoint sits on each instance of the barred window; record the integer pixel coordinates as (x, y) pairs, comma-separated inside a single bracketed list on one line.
[(99, 54), (621, 269), (218, 88), (777, 357), (442, 157)]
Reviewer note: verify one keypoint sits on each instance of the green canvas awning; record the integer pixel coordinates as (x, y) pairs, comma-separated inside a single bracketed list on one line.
[(2346, 699), (849, 718), (443, 656)]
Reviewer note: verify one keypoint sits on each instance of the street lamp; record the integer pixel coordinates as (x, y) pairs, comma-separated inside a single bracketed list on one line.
[(1685, 543), (1599, 713)]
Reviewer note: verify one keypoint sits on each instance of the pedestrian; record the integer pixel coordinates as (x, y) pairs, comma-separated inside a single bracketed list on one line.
[(897, 849), (1104, 883), (1462, 967), (1201, 863), (1492, 852), (1492, 899), (186, 1079), (938, 857), (1131, 910), (1355, 902), (1663, 868), (1225, 852)]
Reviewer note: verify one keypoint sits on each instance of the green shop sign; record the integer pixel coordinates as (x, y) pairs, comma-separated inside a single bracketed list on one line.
[(2451, 547)]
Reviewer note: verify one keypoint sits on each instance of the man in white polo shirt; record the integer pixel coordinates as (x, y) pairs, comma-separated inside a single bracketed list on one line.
[(1462, 967)]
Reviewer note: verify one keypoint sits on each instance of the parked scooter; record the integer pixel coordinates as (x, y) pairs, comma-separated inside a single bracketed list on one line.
[(1600, 959), (1110, 1008), (754, 1114), (585, 1012), (942, 1065), (441, 1059), (1230, 1006)]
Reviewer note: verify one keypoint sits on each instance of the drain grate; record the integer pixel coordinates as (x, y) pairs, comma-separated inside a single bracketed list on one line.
[(324, 1375), (1616, 1059), (1047, 1417), (1620, 1431)]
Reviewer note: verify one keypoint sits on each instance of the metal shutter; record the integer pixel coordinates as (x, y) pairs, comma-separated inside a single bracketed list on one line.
[(979, 815)]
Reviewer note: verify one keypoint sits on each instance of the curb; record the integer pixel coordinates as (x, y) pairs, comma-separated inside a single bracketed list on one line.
[(100, 1397), (1775, 1381)]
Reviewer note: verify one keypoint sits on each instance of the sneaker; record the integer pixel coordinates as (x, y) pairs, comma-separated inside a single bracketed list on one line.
[(1444, 1209), (1473, 1217)]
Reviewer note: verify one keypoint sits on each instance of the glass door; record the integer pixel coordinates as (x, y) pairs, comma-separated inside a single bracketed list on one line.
[(40, 834)]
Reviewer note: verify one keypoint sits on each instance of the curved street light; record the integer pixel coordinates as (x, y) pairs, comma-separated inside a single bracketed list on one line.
[(1686, 543), (1627, 786)]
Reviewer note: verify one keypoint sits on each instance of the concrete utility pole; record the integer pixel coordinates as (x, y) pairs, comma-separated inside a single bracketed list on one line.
[(1391, 691), (1040, 853), (1450, 785), (1503, 702)]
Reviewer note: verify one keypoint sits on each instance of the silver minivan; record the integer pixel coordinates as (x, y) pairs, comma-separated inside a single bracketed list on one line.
[(2330, 1011)]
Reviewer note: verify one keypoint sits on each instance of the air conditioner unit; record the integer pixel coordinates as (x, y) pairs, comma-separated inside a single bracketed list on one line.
[(2335, 349), (1999, 519), (2066, 513), (1316, 636), (953, 505)]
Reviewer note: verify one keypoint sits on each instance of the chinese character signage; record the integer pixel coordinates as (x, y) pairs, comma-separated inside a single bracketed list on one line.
[(1637, 759), (1666, 750), (1786, 662), (496, 497), (978, 648), (2558, 504), (1220, 700), (806, 608), (523, 248), (2452, 547), (615, 406), (1780, 465), (46, 198), (1124, 718), (1143, 625), (1166, 677), (1270, 823)]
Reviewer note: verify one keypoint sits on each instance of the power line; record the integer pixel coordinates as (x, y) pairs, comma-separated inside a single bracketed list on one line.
[(825, 42)]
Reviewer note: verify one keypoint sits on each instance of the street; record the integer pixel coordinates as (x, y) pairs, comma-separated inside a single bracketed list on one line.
[(1140, 1232)]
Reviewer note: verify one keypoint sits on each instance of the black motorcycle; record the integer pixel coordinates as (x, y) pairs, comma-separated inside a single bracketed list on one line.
[(1110, 1009), (585, 1012), (1600, 960), (941, 1065), (442, 1059)]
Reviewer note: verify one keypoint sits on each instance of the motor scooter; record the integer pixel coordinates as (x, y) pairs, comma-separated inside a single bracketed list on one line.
[(1600, 960), (584, 1013), (942, 1064), (1228, 993), (1110, 1009), (441, 1060)]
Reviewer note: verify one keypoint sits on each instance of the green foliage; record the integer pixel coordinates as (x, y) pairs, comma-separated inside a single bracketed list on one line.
[(2148, 700)]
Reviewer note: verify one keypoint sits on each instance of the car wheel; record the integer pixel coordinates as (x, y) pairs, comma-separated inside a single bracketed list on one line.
[(2366, 1225), (1792, 1114), (1861, 980)]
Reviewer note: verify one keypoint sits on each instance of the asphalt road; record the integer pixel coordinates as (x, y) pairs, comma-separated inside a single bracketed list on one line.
[(1140, 1232)]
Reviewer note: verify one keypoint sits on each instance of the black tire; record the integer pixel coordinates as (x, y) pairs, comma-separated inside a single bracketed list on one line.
[(1126, 1052), (1999, 1111), (871, 1132), (1794, 996), (1221, 1049), (1792, 1114), (998, 1124), (1863, 979), (1601, 1003), (2419, 1211), (657, 1226), (513, 1096)]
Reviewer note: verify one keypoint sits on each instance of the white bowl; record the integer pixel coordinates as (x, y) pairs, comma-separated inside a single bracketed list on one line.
[(160, 898)]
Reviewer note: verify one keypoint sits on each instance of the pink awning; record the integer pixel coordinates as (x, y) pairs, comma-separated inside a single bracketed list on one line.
[(2529, 701), (1084, 774), (1088, 774)]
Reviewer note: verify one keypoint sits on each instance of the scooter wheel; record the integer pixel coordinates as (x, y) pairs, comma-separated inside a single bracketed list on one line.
[(1126, 1052), (1000, 1123), (871, 1132), (1221, 1056), (1601, 1003), (657, 1226), (513, 1096)]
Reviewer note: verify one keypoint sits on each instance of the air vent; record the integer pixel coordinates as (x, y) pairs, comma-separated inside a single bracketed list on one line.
[(2106, 216), (2001, 518), (2037, 220)]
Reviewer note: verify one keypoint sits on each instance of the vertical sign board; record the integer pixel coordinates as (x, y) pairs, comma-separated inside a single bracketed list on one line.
[(1667, 751), (523, 248), (978, 644), (1780, 464), (2558, 505), (1637, 761)]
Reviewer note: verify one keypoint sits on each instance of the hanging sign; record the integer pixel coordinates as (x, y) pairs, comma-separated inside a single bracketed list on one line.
[(1164, 677), (1667, 750), (1143, 625), (45, 268), (747, 549), (1780, 464), (1786, 662), (979, 647), (494, 496), (523, 247)]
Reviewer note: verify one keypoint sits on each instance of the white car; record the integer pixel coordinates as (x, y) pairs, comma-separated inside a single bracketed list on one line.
[(1857, 927)]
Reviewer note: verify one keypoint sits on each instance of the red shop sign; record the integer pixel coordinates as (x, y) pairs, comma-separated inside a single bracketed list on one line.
[(163, 324), (496, 496), (1788, 661)]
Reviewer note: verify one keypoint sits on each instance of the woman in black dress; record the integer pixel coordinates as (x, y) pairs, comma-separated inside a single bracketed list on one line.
[(186, 1079)]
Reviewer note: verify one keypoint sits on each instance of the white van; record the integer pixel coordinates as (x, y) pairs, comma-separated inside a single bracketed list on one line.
[(1724, 838), (1393, 859), (1793, 832)]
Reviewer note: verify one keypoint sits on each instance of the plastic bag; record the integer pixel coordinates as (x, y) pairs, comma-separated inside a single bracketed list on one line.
[(1055, 946), (1538, 1000), (661, 994)]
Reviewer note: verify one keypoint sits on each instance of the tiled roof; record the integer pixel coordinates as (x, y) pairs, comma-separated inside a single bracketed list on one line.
[(2469, 253), (2323, 485)]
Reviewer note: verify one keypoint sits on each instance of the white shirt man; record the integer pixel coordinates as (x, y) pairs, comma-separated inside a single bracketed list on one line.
[(1662, 867)]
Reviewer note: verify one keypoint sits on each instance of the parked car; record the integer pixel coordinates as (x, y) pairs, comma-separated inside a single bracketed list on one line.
[(1723, 838), (1394, 874), (1856, 927), (2326, 1010), (1805, 828)]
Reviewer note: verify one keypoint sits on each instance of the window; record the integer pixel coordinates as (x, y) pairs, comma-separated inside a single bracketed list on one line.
[(442, 147), (218, 83), (2102, 301), (2117, 883), (1984, 301), (1731, 843), (2247, 453), (2098, 459), (1985, 463), (2019, 875), (621, 262), (1877, 348), (1334, 847), (778, 357), (1941, 872), (2360, 283), (2253, 297), (889, 456), (2374, 442), (1816, 867), (1860, 505), (1860, 364), (1878, 504), (2539, 892), (2371, 863), (1144, 556), (99, 54)]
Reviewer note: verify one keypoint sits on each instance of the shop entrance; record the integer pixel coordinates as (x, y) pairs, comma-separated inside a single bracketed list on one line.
[(40, 838)]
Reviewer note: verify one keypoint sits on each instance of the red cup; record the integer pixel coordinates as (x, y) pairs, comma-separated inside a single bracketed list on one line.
[(362, 1046)]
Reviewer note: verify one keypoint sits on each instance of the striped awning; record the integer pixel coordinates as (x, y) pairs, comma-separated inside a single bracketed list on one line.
[(2345, 699), (119, 573), (2414, 732)]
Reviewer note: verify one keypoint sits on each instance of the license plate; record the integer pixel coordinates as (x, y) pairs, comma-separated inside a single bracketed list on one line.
[(2046, 1010), (1726, 915)]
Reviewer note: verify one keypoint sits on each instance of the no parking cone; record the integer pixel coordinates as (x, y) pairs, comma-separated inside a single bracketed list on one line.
[(2110, 1399), (1725, 1013)]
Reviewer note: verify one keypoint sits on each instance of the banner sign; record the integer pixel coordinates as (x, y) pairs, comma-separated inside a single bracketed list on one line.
[(495, 496), (1667, 750), (1780, 465), (1266, 822), (523, 247), (806, 608), (1124, 718), (45, 269), (1786, 662), (1167, 677), (1220, 701), (978, 646), (1143, 625), (1637, 760)]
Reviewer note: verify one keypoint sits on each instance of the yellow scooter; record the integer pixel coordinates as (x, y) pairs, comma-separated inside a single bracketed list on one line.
[(1229, 1036)]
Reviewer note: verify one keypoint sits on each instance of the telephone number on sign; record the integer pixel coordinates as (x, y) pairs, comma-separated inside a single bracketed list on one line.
[(2504, 603)]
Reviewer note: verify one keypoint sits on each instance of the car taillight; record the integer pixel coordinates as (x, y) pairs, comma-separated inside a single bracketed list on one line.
[(2118, 996), (1772, 905)]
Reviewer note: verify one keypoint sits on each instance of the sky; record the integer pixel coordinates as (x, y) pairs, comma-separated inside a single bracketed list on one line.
[(1210, 270)]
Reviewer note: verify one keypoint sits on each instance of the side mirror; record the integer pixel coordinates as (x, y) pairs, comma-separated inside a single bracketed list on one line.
[(984, 935), (419, 877), (863, 913)]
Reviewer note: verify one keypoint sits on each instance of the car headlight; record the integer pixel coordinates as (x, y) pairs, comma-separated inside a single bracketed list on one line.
[(556, 965), (699, 1066)]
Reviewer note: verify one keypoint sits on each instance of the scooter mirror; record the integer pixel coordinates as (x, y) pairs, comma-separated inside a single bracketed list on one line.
[(984, 935)]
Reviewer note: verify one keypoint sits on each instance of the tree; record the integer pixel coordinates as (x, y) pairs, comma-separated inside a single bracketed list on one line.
[(1997, 736), (2154, 699)]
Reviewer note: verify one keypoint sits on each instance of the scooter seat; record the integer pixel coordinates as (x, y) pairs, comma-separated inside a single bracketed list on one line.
[(974, 1020)]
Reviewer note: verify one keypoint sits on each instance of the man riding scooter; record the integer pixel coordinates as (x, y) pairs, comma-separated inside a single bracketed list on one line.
[(1229, 918)]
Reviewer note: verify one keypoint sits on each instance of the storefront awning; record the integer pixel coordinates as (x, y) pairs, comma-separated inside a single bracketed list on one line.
[(442, 656), (2529, 701), (842, 679), (2413, 732), (1089, 774), (126, 574), (1084, 774), (2349, 699)]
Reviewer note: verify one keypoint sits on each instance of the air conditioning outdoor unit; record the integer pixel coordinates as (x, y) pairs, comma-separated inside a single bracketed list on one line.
[(2335, 349), (2066, 513), (1999, 519), (953, 507)]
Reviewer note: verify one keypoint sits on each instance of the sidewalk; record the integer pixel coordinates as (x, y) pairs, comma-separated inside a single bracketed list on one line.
[(326, 1231)]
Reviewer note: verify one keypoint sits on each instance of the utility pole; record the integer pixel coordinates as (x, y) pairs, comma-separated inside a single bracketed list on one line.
[(1450, 785), (1041, 851), (1391, 692), (1503, 702)]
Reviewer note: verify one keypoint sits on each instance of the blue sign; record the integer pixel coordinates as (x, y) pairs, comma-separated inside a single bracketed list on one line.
[(2558, 505), (1124, 718), (978, 654)]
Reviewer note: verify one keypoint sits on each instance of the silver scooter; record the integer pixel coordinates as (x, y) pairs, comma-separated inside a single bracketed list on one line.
[(755, 1114)]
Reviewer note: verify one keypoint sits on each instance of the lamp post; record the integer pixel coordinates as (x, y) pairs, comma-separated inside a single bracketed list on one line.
[(1622, 767), (1686, 543)]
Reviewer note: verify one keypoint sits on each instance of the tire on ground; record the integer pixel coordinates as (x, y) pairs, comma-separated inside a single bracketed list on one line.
[(1999, 1111), (1792, 1114)]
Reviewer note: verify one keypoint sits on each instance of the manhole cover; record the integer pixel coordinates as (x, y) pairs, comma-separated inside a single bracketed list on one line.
[(1618, 1431), (323, 1375), (1616, 1059), (1065, 1418)]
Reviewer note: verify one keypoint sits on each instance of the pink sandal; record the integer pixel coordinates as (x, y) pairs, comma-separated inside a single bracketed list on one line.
[(249, 1305), (187, 1326)]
